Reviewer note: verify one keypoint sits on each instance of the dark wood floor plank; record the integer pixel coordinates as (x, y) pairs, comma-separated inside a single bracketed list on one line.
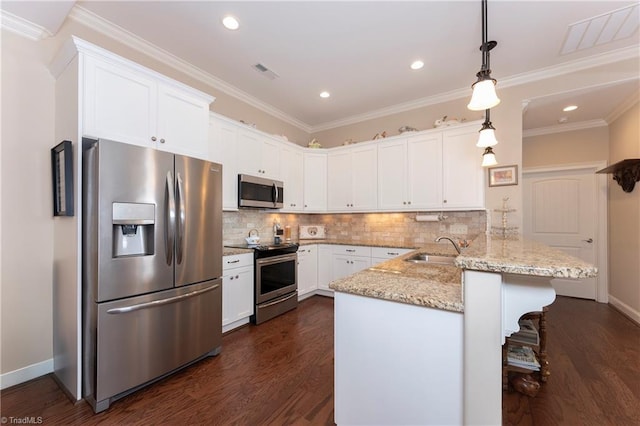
[(281, 372)]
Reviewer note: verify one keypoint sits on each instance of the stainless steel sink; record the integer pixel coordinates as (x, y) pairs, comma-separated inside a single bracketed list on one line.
[(432, 259)]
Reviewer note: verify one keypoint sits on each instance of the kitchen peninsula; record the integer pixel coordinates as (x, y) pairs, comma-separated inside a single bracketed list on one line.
[(435, 357)]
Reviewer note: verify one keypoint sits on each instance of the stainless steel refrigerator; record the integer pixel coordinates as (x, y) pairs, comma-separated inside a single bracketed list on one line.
[(152, 266)]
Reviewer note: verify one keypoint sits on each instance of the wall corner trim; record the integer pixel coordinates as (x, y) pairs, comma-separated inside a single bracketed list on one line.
[(625, 309)]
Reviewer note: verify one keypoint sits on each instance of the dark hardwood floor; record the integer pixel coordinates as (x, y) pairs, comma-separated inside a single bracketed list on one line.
[(281, 372)]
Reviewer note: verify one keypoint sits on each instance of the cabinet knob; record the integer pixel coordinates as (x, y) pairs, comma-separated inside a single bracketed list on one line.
[(237, 276), (409, 202), (231, 278), (445, 201), (306, 205), (161, 140), (153, 138), (404, 202)]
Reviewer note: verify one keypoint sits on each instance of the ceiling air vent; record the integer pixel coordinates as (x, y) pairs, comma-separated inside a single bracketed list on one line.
[(265, 71), (615, 25)]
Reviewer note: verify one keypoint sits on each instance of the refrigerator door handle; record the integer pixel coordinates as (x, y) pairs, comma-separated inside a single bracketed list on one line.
[(170, 219), (181, 219), (174, 299)]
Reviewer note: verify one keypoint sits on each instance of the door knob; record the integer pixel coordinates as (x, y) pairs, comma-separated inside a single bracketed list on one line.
[(590, 240)]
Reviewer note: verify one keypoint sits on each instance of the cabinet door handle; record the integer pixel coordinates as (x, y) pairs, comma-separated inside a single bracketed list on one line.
[(233, 261), (590, 240), (393, 254), (351, 251)]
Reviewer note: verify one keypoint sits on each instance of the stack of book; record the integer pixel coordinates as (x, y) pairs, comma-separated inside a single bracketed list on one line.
[(523, 357), (528, 334)]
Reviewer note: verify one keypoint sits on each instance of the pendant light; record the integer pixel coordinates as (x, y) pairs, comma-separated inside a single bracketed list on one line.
[(484, 89), (487, 132), (488, 158)]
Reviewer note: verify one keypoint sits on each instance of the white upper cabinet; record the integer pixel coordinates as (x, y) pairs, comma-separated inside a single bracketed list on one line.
[(223, 148), (410, 173), (182, 123), (353, 179), (292, 176), (129, 103), (432, 170), (258, 155), (315, 181), (463, 175)]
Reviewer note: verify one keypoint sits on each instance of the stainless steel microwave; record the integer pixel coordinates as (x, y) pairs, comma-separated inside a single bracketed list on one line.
[(259, 192)]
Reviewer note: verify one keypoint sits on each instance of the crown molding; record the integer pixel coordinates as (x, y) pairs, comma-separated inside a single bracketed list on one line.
[(567, 127), (95, 22), (85, 17), (617, 55), (22, 27), (528, 77), (633, 99), (394, 109)]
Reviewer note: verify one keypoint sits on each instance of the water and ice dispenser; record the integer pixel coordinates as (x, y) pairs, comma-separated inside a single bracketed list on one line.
[(133, 229)]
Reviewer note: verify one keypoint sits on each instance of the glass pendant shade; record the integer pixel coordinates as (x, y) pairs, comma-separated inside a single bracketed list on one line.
[(487, 136), (484, 94), (488, 158)]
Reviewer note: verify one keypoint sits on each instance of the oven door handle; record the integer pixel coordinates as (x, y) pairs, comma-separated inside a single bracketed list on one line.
[(275, 302), (276, 259)]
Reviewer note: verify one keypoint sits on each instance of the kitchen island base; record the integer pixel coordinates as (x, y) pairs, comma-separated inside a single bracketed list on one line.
[(396, 363)]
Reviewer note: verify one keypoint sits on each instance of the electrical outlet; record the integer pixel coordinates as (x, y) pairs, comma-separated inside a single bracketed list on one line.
[(458, 229)]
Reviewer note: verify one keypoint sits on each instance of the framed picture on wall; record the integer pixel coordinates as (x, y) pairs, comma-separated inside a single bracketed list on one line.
[(503, 176), (62, 176)]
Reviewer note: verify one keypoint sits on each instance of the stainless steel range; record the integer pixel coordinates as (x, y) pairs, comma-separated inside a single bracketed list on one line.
[(275, 280)]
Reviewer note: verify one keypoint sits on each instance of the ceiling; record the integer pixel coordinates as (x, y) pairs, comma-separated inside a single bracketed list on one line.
[(360, 51)]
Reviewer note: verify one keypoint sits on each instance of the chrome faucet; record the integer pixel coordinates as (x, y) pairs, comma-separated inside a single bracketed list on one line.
[(452, 242)]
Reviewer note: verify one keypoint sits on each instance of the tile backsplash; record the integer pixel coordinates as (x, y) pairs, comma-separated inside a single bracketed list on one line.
[(395, 228)]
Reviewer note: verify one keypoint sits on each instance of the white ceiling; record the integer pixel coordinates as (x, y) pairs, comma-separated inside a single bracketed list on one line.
[(361, 51)]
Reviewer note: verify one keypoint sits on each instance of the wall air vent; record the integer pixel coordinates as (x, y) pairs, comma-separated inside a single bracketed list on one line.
[(265, 71), (615, 25)]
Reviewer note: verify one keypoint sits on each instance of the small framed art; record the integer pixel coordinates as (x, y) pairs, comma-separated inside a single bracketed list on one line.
[(62, 174), (503, 176)]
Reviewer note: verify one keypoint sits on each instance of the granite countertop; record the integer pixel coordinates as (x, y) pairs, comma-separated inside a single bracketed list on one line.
[(433, 286), (360, 242), (516, 255), (440, 286), (230, 251)]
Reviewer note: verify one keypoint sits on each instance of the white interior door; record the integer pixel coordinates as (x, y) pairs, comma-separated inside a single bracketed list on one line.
[(561, 211)]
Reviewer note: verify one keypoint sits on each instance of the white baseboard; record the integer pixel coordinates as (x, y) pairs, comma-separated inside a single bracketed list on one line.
[(25, 374), (625, 309)]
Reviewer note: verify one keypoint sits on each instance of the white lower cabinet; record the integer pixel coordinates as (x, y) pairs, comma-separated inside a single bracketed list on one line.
[(237, 290), (347, 260), (382, 254), (325, 252), (336, 261), (307, 271)]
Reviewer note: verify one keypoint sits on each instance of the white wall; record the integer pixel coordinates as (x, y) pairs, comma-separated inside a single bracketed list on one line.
[(26, 220), (624, 219)]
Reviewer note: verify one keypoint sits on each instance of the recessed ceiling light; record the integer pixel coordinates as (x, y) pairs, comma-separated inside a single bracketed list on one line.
[(325, 94), (570, 108), (230, 23), (416, 65)]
